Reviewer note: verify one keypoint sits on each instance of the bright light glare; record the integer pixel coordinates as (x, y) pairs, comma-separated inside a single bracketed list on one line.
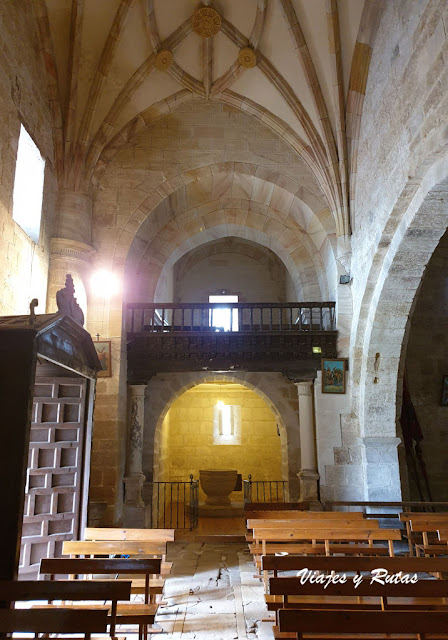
[(28, 186), (220, 404), (105, 283)]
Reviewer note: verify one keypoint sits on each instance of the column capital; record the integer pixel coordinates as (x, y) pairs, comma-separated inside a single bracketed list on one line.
[(137, 390), (71, 249), (304, 388)]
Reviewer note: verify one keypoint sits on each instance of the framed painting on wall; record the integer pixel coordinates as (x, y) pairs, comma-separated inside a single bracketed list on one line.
[(333, 375), (103, 349)]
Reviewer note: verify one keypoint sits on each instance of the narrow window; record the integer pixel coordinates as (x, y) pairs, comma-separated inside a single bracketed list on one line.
[(28, 186), (227, 424), (225, 318)]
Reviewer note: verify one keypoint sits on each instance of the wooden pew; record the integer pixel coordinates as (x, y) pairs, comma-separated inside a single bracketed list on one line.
[(318, 523), (344, 535), (407, 516), (138, 535), (351, 564), (433, 547), (365, 624), (131, 613), (294, 593), (300, 517), (59, 620), (73, 590), (77, 548)]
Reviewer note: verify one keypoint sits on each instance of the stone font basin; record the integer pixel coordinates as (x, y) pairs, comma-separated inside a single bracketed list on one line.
[(217, 484)]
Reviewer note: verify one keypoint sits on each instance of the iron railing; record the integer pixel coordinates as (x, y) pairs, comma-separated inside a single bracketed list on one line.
[(265, 490), (242, 317), (175, 505)]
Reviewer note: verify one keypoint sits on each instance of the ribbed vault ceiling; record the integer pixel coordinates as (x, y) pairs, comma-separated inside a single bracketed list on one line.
[(300, 64)]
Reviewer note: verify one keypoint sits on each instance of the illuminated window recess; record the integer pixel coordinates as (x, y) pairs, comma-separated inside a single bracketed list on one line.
[(28, 186), (226, 424)]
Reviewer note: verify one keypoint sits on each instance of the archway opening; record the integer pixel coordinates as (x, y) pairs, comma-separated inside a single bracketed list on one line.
[(219, 424), (195, 435), (423, 405)]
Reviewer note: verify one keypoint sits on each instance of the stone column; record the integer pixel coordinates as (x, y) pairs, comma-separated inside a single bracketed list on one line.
[(382, 472), (134, 506), (69, 256), (308, 474), (71, 250)]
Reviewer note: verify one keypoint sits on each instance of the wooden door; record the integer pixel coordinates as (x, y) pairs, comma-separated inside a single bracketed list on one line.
[(55, 466)]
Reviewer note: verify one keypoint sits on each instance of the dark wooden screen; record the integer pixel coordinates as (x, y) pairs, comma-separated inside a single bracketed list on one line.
[(54, 482)]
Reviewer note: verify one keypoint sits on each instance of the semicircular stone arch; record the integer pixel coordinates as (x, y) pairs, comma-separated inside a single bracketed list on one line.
[(221, 249), (182, 221), (378, 362), (276, 390)]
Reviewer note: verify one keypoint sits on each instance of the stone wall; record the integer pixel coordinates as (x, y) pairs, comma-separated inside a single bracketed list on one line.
[(403, 126), (426, 364), (23, 99), (276, 390), (243, 268), (188, 436)]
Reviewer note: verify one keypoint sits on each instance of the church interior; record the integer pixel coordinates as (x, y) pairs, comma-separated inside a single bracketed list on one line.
[(223, 281)]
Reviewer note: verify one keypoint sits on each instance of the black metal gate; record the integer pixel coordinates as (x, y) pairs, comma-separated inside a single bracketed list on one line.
[(175, 505)]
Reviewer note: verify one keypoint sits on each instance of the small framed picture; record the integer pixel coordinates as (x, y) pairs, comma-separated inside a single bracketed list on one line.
[(334, 375), (103, 349), (444, 398)]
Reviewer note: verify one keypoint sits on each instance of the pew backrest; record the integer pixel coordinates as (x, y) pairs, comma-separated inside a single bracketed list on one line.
[(351, 564), (363, 622), (58, 621), (303, 515), (137, 535), (308, 523), (30, 590), (89, 566), (343, 534), (97, 548)]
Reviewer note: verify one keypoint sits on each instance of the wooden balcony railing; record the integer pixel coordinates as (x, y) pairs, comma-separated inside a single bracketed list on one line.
[(290, 317)]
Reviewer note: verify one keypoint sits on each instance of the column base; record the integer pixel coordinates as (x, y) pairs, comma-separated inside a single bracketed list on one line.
[(309, 479), (134, 517), (133, 490)]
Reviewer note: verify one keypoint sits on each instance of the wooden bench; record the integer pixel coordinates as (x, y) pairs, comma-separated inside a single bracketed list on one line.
[(437, 566), (409, 516), (138, 535), (59, 620), (131, 613), (294, 593), (326, 535), (77, 548), (73, 590), (431, 547), (256, 548), (363, 624), (299, 517)]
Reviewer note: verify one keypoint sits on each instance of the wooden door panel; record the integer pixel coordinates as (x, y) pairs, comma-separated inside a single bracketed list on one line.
[(54, 477)]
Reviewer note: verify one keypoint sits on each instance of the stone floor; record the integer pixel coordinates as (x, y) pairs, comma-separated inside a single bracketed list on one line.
[(212, 594)]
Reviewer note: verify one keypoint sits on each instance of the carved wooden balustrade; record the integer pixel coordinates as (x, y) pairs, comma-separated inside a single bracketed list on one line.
[(290, 337)]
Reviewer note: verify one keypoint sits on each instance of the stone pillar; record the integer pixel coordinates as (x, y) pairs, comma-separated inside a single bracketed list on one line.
[(134, 506), (69, 256), (71, 250), (382, 472), (308, 474)]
